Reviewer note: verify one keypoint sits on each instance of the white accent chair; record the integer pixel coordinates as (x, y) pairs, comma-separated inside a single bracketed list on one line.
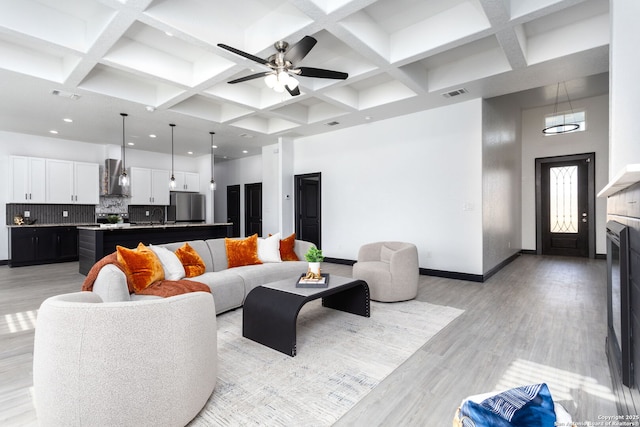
[(390, 269), (139, 363)]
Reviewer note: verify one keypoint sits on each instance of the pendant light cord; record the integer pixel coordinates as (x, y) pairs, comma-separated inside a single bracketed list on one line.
[(124, 115), (172, 126)]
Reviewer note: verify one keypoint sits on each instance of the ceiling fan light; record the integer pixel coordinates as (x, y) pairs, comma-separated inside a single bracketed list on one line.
[(292, 83), (279, 87), (270, 80), (283, 77)]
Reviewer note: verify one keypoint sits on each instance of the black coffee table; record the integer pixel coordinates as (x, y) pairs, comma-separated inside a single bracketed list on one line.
[(270, 311)]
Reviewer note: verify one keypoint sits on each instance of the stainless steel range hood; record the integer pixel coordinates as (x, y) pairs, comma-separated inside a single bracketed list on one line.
[(110, 173)]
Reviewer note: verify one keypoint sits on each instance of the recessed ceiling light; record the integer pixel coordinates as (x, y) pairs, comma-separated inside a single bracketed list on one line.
[(245, 151), (131, 143), (189, 152), (152, 136), (55, 132), (150, 108), (169, 33), (367, 118), (214, 146), (68, 120)]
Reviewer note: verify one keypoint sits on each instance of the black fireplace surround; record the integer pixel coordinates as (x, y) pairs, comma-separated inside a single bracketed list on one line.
[(623, 297), (619, 345)]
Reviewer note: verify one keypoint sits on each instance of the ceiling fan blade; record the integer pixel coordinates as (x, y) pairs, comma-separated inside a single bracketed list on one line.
[(301, 49), (244, 54), (320, 73), (293, 92), (251, 77)]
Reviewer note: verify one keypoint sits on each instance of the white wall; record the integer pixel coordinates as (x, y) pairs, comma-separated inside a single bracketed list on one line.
[(270, 189), (57, 148), (277, 188), (624, 66), (409, 179), (536, 145), (247, 170), (501, 177)]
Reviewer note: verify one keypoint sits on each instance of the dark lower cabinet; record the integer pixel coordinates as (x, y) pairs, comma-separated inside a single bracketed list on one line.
[(42, 245)]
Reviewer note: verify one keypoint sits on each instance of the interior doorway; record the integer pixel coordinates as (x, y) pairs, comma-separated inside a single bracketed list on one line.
[(308, 210), (253, 209), (565, 205), (233, 209)]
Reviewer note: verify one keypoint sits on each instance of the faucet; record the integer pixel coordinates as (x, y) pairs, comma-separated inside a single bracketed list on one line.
[(159, 210)]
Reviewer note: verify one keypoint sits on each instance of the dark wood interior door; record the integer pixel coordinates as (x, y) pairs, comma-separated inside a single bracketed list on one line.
[(565, 214), (253, 209), (308, 208), (233, 208)]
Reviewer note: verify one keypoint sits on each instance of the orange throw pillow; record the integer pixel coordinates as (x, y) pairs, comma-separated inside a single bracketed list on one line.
[(191, 261), (286, 249), (141, 266), (242, 251)]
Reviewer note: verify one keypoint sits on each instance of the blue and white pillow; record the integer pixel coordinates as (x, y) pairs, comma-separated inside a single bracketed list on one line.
[(525, 406)]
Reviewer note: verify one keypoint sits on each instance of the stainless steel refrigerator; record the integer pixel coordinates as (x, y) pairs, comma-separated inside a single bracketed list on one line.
[(186, 207)]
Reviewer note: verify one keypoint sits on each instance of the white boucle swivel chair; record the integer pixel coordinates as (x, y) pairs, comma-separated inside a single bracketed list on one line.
[(138, 363), (390, 269)]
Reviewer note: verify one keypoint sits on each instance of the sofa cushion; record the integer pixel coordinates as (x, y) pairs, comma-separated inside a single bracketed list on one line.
[(141, 265), (226, 286), (192, 262), (269, 248), (173, 268), (218, 252), (287, 252), (242, 251)]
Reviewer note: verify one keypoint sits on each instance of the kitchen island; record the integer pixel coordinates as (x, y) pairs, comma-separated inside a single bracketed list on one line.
[(96, 242)]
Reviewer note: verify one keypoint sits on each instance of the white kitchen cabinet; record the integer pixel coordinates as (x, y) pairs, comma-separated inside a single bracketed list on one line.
[(149, 186), (87, 183), (187, 181), (72, 182), (27, 180)]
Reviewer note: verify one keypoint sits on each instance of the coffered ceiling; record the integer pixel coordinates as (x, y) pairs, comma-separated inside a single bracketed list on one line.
[(158, 61)]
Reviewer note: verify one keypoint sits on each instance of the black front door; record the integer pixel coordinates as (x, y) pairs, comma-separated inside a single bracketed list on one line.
[(565, 205), (253, 209), (308, 208), (233, 208)]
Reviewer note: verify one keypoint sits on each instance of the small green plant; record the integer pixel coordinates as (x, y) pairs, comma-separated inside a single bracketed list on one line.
[(314, 255)]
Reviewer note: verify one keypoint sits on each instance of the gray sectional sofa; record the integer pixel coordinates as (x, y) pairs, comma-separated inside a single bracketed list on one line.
[(229, 286)]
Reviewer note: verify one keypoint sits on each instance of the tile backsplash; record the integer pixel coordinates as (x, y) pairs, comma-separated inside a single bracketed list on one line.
[(52, 214)]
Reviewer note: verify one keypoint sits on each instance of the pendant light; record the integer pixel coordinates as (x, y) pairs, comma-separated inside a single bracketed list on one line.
[(123, 179), (212, 184), (172, 183), (561, 127)]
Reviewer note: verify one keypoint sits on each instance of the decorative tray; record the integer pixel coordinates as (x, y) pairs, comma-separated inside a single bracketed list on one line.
[(313, 283)]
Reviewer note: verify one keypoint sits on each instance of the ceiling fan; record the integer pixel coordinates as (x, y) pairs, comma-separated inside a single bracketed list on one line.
[(282, 66)]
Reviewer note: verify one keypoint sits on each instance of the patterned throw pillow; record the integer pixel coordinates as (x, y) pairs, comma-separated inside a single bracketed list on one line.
[(191, 261), (525, 406), (141, 266), (242, 251)]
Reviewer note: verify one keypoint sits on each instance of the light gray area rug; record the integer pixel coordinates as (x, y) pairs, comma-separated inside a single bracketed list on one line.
[(341, 357)]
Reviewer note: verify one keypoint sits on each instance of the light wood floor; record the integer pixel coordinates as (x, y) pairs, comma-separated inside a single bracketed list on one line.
[(540, 319)]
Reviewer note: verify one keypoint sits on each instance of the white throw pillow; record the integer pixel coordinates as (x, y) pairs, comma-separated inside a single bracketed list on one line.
[(269, 249), (173, 268)]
